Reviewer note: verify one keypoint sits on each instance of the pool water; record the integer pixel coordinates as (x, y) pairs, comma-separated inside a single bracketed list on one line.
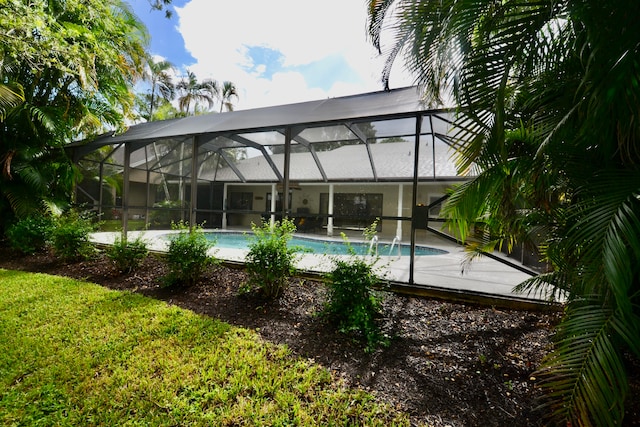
[(233, 240)]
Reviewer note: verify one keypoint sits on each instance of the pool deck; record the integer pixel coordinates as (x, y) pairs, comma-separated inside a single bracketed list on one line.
[(444, 275)]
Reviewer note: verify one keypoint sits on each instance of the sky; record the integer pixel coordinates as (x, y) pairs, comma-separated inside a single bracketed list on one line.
[(275, 52)]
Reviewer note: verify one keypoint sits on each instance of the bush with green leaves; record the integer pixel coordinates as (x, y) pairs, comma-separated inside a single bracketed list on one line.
[(127, 254), (165, 213), (70, 236), (354, 302), (187, 256), (271, 261), (31, 234)]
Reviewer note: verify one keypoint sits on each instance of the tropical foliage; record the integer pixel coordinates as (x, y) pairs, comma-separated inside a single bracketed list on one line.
[(354, 303), (127, 254), (549, 97), (30, 234), (192, 91), (163, 90), (187, 256), (70, 238), (66, 71), (228, 91), (271, 260), (162, 5)]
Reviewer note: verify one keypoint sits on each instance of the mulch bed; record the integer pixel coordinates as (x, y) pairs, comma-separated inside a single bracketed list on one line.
[(448, 364)]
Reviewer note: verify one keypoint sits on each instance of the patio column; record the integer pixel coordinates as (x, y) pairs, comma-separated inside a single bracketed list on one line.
[(414, 196), (330, 212), (399, 222)]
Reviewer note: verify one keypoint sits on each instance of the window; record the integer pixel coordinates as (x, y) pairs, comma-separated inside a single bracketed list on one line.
[(240, 200), (278, 202), (353, 210)]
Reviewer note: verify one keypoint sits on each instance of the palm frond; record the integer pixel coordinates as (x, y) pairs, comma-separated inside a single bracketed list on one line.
[(20, 198), (553, 286), (585, 375), (604, 232), (11, 95), (377, 10)]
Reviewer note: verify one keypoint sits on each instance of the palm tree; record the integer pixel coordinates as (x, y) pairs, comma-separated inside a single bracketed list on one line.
[(162, 5), (162, 82), (74, 78), (11, 95), (227, 92), (193, 91), (549, 95)]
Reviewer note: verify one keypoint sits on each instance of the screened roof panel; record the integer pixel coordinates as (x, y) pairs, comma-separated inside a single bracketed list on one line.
[(303, 166), (208, 163), (218, 142), (218, 169), (361, 137), (385, 103), (117, 156), (393, 159), (441, 125), (388, 128), (164, 154), (346, 162), (264, 138), (445, 166), (327, 134)]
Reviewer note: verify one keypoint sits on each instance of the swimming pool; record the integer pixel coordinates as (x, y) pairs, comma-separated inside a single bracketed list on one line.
[(236, 240)]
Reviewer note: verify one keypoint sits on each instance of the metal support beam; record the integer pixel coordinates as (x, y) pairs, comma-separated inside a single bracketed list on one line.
[(414, 195), (295, 136), (287, 167), (100, 190), (125, 190), (259, 147), (272, 207), (362, 137), (433, 145), (233, 166), (224, 205), (194, 181), (147, 197)]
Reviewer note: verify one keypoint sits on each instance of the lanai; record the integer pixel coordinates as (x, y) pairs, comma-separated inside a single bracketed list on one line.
[(335, 165)]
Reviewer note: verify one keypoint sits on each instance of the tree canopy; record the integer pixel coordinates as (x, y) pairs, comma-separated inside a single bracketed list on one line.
[(550, 94), (67, 70)]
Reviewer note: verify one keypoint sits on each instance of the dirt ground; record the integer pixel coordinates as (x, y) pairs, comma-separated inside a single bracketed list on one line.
[(447, 364)]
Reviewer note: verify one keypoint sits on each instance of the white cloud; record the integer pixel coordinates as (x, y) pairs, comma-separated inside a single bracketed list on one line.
[(218, 33)]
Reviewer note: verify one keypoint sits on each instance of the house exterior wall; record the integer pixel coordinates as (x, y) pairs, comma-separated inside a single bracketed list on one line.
[(306, 200)]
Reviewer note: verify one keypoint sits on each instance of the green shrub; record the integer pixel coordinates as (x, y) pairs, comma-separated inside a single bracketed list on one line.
[(270, 261), (70, 236), (353, 302), (127, 254), (31, 234), (187, 256), (165, 213)]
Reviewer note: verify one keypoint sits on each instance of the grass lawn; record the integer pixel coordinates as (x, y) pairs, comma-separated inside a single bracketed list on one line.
[(74, 353)]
